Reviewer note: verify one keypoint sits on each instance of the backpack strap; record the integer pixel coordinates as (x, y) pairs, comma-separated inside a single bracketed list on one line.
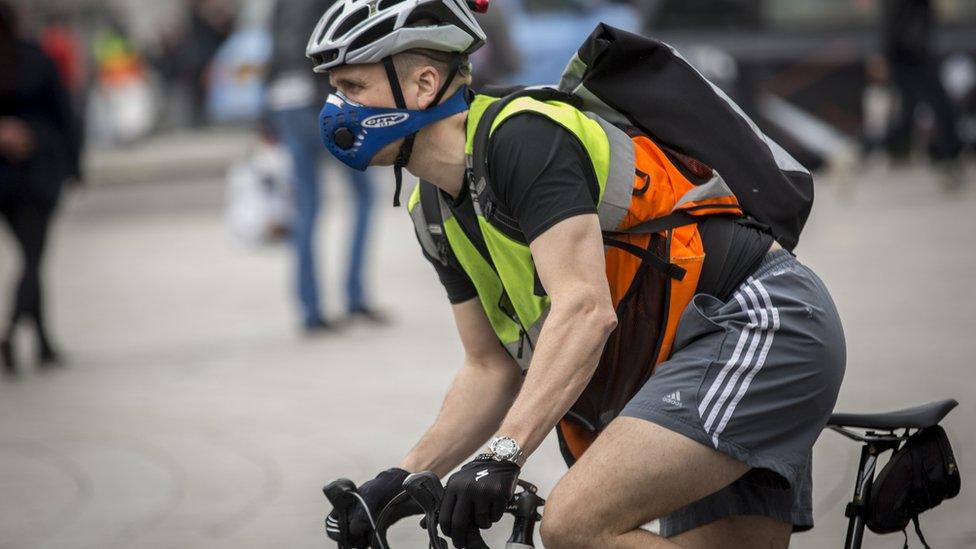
[(918, 530), (656, 225), (479, 173), (430, 204), (490, 206)]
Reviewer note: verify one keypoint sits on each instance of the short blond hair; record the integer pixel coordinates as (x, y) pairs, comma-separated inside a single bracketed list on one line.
[(410, 60)]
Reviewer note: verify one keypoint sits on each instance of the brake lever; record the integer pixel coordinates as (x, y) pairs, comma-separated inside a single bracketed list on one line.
[(524, 506), (426, 489), (340, 495)]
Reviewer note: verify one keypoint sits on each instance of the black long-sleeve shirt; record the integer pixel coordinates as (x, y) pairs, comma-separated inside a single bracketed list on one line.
[(31, 91), (906, 31)]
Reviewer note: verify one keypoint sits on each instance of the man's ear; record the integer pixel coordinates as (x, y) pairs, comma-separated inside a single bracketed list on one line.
[(428, 83)]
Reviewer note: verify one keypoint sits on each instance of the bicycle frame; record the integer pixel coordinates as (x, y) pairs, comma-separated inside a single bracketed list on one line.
[(874, 445)]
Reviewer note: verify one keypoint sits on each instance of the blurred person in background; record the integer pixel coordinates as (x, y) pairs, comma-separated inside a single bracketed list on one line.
[(701, 13), (165, 57), (113, 51), (122, 107), (60, 41), (293, 100), (211, 22), (499, 60), (38, 152), (907, 33)]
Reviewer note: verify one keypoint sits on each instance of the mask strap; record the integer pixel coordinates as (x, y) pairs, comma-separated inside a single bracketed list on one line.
[(403, 156), (455, 67), (391, 74), (406, 150)]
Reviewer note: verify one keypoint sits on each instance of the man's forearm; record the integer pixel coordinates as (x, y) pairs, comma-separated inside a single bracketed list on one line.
[(568, 352), (472, 411)]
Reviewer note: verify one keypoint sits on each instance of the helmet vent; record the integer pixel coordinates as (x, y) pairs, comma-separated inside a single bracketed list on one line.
[(437, 13), (325, 57), (328, 25), (354, 19), (378, 31), (388, 3)]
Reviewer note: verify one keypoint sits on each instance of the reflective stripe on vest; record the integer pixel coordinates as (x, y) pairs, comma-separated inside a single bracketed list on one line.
[(610, 150)]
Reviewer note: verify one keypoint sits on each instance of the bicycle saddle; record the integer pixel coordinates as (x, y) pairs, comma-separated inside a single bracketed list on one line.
[(918, 417)]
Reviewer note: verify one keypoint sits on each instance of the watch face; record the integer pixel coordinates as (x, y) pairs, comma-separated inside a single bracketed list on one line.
[(504, 448)]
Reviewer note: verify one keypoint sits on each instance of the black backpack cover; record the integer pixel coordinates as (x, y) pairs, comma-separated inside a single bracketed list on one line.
[(633, 80)]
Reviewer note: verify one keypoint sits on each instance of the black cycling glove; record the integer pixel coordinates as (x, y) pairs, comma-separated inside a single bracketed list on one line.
[(377, 494), (476, 497)]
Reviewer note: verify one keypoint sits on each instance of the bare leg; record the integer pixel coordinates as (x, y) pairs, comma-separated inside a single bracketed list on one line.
[(636, 472), (757, 532)]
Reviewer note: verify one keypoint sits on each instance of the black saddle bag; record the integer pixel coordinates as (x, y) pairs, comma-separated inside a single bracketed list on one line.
[(919, 476)]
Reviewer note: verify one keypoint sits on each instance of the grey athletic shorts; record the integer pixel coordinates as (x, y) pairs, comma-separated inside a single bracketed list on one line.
[(755, 377)]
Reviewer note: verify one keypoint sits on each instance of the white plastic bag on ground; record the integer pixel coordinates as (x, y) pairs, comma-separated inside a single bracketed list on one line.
[(122, 112), (259, 202)]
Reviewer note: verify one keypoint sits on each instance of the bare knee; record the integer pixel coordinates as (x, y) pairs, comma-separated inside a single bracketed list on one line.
[(559, 530), (566, 524)]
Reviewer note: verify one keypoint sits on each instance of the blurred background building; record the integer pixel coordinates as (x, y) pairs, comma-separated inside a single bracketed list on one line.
[(802, 67)]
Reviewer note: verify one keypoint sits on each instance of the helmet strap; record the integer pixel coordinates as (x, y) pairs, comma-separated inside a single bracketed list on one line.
[(406, 149)]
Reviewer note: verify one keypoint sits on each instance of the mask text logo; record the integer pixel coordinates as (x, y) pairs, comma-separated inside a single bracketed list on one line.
[(385, 120)]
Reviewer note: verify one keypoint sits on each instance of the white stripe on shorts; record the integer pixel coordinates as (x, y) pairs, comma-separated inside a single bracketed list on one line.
[(744, 364), (733, 360), (774, 312)]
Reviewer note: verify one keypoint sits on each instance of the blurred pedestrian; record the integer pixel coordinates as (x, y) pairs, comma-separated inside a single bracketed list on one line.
[(294, 98), (166, 56), (211, 22), (60, 42), (907, 29), (122, 107), (38, 152), (499, 60), (729, 14)]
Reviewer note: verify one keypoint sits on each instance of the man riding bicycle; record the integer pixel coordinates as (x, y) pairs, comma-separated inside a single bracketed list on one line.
[(689, 369)]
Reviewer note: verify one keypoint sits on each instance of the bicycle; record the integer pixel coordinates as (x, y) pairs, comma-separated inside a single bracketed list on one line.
[(877, 431)]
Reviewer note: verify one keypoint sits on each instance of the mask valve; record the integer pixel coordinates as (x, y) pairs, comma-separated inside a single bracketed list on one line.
[(344, 138)]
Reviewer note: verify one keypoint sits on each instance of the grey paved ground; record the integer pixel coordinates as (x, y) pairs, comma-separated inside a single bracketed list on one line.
[(193, 415)]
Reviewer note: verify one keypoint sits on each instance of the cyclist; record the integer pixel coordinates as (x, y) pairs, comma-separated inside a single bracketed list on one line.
[(717, 443)]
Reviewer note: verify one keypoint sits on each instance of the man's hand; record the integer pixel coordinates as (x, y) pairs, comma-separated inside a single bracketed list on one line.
[(476, 497), (377, 493), (16, 140)]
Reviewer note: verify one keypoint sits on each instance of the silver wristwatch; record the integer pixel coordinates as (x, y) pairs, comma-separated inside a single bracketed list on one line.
[(505, 449)]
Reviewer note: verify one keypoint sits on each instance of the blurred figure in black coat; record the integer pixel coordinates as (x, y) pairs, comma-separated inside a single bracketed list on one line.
[(38, 153), (907, 38)]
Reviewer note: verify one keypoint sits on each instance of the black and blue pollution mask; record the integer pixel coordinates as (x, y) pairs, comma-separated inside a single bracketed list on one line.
[(354, 133)]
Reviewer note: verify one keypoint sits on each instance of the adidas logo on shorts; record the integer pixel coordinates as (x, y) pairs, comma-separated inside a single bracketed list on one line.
[(674, 399)]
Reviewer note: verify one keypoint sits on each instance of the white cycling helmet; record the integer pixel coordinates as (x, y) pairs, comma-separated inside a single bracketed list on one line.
[(368, 31)]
